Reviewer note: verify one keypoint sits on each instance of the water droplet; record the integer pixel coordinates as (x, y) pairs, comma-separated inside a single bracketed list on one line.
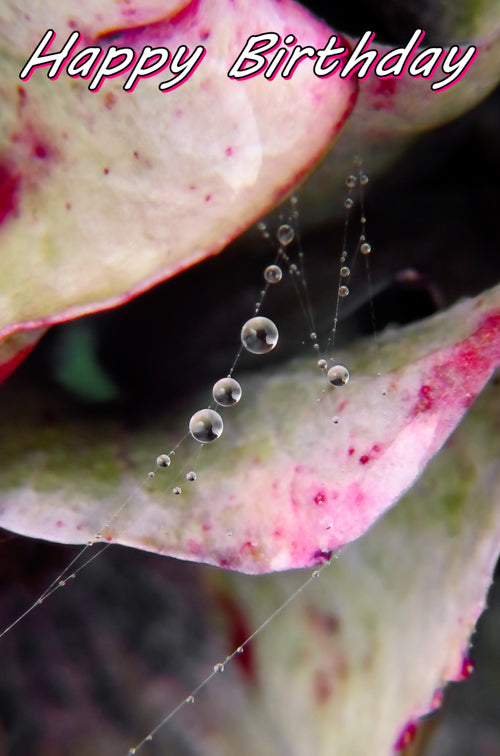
[(338, 375), (191, 475), (348, 203), (61, 584), (219, 667), (322, 364), (226, 392), (345, 272), (363, 179), (190, 700), (171, 453), (131, 752), (273, 274), (261, 226), (90, 543), (335, 419), (365, 248), (206, 425), (316, 347), (163, 460), (259, 335), (362, 219), (315, 574), (285, 234), (148, 738), (151, 474), (343, 291), (293, 268), (265, 234), (98, 536), (239, 650), (177, 490), (313, 336), (294, 199), (351, 181)]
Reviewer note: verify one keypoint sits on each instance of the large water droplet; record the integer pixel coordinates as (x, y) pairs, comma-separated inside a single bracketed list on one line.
[(259, 335), (343, 291), (351, 181), (365, 248), (322, 364), (191, 475), (348, 203), (226, 392), (273, 274), (285, 234), (345, 272), (338, 375), (163, 460), (206, 425)]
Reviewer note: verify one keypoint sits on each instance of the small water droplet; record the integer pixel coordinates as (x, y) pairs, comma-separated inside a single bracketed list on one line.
[(151, 474), (363, 179), (335, 419), (285, 234), (219, 667), (338, 375), (294, 200), (61, 583), (177, 490), (131, 752), (191, 475), (261, 226), (206, 425), (293, 268), (259, 335), (148, 738), (315, 574), (362, 219), (171, 453), (239, 650), (90, 543), (343, 291), (163, 460), (190, 700), (316, 347), (351, 181), (273, 274), (313, 336), (345, 272), (226, 392), (365, 248), (98, 536), (348, 203), (322, 364)]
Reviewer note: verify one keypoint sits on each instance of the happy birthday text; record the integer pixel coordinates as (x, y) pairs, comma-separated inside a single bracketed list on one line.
[(267, 54)]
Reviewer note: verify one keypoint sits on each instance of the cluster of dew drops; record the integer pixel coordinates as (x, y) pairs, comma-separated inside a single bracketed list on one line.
[(259, 335)]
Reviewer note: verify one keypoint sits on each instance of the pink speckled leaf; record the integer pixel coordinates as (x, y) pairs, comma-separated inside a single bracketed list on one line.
[(298, 472), (105, 193)]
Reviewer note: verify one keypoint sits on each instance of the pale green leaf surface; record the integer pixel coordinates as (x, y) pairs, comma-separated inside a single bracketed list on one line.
[(288, 482)]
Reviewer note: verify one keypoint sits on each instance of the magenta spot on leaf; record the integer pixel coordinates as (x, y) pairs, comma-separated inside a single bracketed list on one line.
[(229, 151), (9, 187), (364, 459), (466, 669), (406, 737), (320, 557), (60, 524), (351, 451), (106, 171), (425, 400), (320, 498), (204, 34), (385, 87), (208, 198), (40, 150)]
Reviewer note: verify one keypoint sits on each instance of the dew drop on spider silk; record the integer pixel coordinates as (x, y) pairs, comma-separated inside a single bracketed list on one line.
[(177, 490), (343, 291), (338, 375), (261, 226), (365, 248), (363, 179), (190, 700), (259, 335), (206, 425), (151, 474), (348, 203), (191, 475), (322, 364), (239, 650), (226, 392), (313, 336), (163, 460), (315, 574), (345, 272), (285, 234), (351, 181), (273, 274), (219, 667)]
